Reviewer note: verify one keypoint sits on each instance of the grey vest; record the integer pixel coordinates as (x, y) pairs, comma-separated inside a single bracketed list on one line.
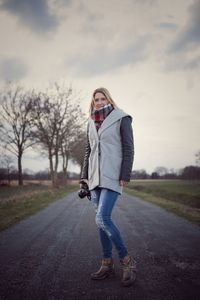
[(106, 152)]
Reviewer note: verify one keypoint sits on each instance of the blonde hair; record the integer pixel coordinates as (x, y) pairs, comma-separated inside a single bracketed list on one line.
[(106, 93)]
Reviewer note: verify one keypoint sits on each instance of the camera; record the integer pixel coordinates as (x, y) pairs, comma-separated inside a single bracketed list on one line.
[(84, 191)]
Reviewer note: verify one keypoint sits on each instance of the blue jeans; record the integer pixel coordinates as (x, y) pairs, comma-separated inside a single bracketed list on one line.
[(104, 201)]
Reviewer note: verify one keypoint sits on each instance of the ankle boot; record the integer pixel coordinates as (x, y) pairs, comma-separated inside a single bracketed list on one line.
[(128, 270), (106, 269)]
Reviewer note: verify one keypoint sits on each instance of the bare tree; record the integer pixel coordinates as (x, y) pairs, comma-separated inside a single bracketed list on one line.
[(198, 158), (6, 162), (161, 171), (78, 148), (15, 108), (73, 142), (55, 117)]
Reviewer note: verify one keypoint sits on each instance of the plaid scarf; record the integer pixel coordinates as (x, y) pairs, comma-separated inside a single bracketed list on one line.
[(99, 115)]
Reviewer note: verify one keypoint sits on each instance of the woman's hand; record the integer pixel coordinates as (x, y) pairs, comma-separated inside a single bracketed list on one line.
[(85, 180), (123, 183)]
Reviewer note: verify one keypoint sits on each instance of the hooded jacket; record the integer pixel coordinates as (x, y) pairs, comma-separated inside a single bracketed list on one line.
[(109, 152)]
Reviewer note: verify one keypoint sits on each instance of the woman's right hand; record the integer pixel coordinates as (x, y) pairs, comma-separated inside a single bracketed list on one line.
[(85, 180)]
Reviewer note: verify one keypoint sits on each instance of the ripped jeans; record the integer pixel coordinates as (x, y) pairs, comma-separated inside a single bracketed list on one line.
[(104, 201)]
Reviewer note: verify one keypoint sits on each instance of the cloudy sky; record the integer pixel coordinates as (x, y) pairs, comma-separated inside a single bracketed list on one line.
[(145, 52)]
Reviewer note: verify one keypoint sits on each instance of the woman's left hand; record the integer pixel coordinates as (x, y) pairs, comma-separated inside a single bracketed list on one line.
[(123, 183)]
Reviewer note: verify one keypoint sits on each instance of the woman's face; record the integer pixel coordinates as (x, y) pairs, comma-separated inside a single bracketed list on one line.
[(100, 100)]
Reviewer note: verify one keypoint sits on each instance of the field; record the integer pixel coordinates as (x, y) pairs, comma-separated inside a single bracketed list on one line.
[(181, 197), (17, 203)]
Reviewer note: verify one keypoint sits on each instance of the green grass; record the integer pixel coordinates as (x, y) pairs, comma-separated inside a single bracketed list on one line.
[(17, 203), (178, 196)]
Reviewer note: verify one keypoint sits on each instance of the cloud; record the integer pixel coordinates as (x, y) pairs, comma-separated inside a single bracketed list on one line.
[(190, 35), (34, 14), (167, 25), (148, 2), (12, 69), (182, 63), (192, 64), (182, 53), (103, 59)]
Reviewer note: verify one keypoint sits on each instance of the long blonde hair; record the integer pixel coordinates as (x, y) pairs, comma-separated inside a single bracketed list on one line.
[(106, 93)]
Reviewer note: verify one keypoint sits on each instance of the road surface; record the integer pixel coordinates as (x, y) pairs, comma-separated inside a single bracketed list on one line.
[(51, 254)]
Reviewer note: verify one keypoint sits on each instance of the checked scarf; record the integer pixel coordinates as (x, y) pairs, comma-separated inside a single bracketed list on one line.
[(99, 115)]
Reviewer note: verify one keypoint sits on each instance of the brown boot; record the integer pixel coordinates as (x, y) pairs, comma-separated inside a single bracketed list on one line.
[(106, 269), (128, 270)]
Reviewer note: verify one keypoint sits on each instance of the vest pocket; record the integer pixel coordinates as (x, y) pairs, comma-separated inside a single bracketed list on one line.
[(93, 165), (110, 167)]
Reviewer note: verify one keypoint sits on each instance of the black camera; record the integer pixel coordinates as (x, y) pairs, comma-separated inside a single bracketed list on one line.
[(84, 191)]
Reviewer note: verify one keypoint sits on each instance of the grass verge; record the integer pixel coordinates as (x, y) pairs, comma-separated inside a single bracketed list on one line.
[(17, 203), (179, 197)]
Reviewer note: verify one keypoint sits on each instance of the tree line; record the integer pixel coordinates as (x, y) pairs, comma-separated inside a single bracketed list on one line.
[(9, 173), (51, 122), (187, 173)]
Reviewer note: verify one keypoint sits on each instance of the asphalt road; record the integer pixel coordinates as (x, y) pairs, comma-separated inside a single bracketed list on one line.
[(51, 254)]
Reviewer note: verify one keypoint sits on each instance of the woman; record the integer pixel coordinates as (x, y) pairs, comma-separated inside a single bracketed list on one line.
[(107, 168)]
